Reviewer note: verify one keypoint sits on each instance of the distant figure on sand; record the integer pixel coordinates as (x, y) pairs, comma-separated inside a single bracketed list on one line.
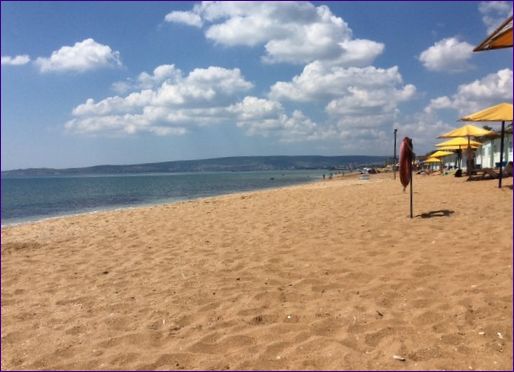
[(470, 160)]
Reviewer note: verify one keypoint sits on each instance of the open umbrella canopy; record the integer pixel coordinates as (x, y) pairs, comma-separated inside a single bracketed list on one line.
[(500, 38), (453, 148), (459, 141), (441, 154), (467, 130), (501, 112), (432, 160)]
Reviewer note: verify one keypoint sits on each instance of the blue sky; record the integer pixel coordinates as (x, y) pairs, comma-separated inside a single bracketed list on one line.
[(120, 83)]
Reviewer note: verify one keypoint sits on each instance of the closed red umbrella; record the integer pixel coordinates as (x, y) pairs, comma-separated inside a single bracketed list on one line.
[(406, 159)]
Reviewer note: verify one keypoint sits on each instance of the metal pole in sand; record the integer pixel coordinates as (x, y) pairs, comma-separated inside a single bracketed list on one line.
[(411, 202), (394, 155), (501, 156)]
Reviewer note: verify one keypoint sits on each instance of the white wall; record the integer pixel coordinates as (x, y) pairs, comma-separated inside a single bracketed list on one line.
[(489, 153)]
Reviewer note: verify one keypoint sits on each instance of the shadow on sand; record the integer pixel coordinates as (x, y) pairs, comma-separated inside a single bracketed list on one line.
[(440, 213)]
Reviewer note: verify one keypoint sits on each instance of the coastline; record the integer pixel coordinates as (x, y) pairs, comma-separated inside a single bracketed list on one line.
[(324, 275), (37, 219)]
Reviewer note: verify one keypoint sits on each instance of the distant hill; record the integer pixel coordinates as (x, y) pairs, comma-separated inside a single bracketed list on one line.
[(236, 164)]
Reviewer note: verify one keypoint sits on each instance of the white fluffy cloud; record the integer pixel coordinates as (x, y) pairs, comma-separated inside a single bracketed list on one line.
[(494, 13), (263, 117), (15, 61), (353, 97), (292, 32), (489, 90), (188, 18), (319, 81), (364, 141), (337, 77), (423, 128), (449, 55), (160, 73), (253, 108), (82, 56), (147, 80), (438, 103), (171, 103), (203, 97)]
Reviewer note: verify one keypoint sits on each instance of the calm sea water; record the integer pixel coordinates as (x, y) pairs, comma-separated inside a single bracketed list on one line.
[(29, 199)]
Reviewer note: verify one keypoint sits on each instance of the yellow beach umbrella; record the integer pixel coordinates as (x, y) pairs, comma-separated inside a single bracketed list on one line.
[(467, 130), (500, 38), (454, 148), (501, 112), (459, 141), (432, 160), (498, 113), (440, 154)]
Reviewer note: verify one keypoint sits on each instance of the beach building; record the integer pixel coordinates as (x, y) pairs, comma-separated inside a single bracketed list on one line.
[(451, 162), (488, 155)]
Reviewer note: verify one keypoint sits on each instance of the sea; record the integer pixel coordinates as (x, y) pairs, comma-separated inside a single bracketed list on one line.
[(35, 198)]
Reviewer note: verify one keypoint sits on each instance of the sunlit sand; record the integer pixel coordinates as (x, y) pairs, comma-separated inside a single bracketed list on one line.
[(331, 275)]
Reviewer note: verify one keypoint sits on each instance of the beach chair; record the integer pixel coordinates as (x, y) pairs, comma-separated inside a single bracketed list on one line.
[(484, 174)]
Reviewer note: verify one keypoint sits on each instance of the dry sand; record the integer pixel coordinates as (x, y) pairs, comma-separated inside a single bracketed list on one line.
[(331, 275)]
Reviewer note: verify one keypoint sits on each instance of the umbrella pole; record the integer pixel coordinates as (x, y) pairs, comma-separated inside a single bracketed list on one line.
[(501, 156), (411, 208), (468, 161), (459, 159), (394, 155)]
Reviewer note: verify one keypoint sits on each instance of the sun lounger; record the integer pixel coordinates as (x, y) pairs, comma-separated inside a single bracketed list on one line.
[(484, 174), (490, 173)]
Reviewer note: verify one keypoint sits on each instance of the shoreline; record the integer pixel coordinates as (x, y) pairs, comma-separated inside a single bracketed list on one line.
[(33, 220), (153, 204), (323, 276)]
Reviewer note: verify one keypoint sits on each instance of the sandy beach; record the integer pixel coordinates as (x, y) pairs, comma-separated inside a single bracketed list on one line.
[(330, 275)]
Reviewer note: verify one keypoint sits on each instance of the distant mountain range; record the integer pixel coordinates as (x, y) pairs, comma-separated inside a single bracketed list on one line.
[(235, 164)]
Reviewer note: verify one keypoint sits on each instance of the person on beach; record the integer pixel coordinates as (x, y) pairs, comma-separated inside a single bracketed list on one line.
[(470, 160)]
